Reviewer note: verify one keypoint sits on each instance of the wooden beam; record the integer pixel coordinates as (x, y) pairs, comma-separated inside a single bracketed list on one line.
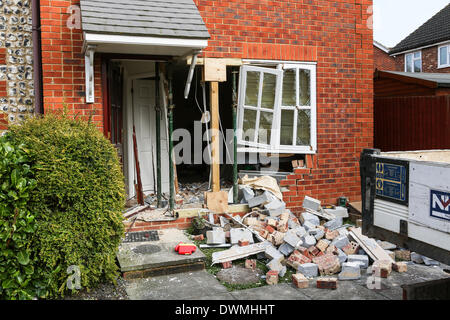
[(215, 145)]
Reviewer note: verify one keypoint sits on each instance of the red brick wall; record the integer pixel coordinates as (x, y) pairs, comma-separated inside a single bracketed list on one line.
[(383, 61), (63, 64), (336, 36)]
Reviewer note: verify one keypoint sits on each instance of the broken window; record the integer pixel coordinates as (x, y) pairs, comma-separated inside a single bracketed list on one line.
[(277, 109)]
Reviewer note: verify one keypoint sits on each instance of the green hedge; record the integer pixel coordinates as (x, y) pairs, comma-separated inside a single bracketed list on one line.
[(78, 199)]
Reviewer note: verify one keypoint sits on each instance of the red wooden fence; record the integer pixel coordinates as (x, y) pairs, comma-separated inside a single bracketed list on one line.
[(412, 123)]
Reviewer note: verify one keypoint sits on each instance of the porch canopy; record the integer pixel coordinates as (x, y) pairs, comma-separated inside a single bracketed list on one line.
[(148, 27)]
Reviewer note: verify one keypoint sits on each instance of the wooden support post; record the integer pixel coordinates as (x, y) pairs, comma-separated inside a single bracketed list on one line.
[(215, 141)]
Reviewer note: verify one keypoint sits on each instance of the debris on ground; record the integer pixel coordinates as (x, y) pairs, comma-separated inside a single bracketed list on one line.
[(314, 243)]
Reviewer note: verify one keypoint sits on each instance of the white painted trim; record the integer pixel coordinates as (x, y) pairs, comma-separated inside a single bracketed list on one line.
[(381, 47), (92, 38), (419, 48), (275, 62), (441, 66)]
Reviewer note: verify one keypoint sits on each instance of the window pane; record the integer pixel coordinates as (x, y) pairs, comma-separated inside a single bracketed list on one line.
[(304, 128), (268, 93), (289, 94), (265, 127), (251, 93), (305, 87), (416, 55), (409, 63), (249, 125), (418, 65), (443, 56), (287, 127)]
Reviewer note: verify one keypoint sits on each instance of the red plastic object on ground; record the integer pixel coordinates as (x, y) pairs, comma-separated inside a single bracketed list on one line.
[(185, 249)]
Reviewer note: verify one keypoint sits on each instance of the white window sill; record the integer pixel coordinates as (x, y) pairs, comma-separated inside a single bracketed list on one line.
[(444, 67), (278, 151)]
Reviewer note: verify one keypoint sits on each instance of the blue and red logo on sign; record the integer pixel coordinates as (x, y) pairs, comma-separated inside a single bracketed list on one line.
[(440, 205)]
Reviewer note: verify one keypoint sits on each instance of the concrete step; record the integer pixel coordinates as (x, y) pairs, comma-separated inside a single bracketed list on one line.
[(156, 258)]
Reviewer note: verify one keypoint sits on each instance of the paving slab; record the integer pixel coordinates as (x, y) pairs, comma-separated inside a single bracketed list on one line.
[(199, 285), (282, 291), (134, 256)]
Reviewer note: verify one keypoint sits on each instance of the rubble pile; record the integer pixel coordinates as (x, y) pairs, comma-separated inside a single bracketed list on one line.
[(314, 244)]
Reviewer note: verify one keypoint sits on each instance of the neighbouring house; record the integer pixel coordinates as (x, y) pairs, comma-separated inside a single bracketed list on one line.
[(427, 49), (303, 71), (381, 58), (412, 111)]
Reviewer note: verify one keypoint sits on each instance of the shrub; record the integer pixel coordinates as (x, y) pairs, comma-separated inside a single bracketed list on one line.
[(18, 279), (78, 199)]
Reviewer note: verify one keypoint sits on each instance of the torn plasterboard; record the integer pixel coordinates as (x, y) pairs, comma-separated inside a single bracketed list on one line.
[(237, 252), (264, 183)]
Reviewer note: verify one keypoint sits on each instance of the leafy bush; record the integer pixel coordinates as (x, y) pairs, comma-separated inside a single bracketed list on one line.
[(78, 199), (17, 224)]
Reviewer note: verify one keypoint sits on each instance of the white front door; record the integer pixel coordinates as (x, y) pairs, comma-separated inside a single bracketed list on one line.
[(145, 123)]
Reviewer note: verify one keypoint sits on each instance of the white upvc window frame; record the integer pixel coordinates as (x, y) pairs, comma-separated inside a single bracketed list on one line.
[(448, 56), (413, 59), (275, 147)]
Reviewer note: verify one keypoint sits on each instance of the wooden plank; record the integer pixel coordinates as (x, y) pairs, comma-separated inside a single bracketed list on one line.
[(370, 246), (215, 146), (217, 202), (215, 70)]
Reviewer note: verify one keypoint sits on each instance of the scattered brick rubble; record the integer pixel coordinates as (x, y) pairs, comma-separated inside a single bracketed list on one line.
[(315, 247)]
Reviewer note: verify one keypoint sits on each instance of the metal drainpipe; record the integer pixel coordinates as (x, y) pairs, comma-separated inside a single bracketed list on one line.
[(235, 167), (158, 137), (37, 57), (171, 168)]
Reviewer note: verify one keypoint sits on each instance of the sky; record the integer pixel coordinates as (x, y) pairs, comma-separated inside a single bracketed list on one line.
[(394, 20)]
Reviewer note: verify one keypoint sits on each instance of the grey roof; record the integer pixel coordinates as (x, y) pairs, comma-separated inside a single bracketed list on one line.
[(163, 18), (435, 30), (441, 79)]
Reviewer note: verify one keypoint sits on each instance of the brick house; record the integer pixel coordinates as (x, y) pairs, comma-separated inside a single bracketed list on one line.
[(382, 59), (427, 49), (305, 81)]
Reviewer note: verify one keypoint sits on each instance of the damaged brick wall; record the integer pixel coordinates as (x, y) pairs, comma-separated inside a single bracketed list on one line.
[(337, 36), (63, 63), (16, 62)]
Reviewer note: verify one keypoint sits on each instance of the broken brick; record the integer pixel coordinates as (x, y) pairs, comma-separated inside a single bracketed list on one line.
[(227, 265), (351, 248), (331, 235), (400, 267), (314, 251), (382, 268), (199, 237), (327, 283), (264, 233), (283, 227), (403, 255), (272, 223), (270, 229), (328, 264), (322, 245), (300, 281), (250, 264), (272, 277), (243, 243)]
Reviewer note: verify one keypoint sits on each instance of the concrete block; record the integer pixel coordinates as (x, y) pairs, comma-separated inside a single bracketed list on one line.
[(429, 261), (215, 236), (300, 232), (309, 226), (272, 253), (320, 234), (338, 212), (292, 240), (363, 260), (276, 212), (286, 249), (387, 245), (341, 256), (311, 218), (311, 203), (237, 234), (247, 193), (275, 204), (300, 281), (259, 200), (350, 271), (293, 223), (340, 241), (309, 241), (275, 265), (333, 224), (310, 270), (416, 258)]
